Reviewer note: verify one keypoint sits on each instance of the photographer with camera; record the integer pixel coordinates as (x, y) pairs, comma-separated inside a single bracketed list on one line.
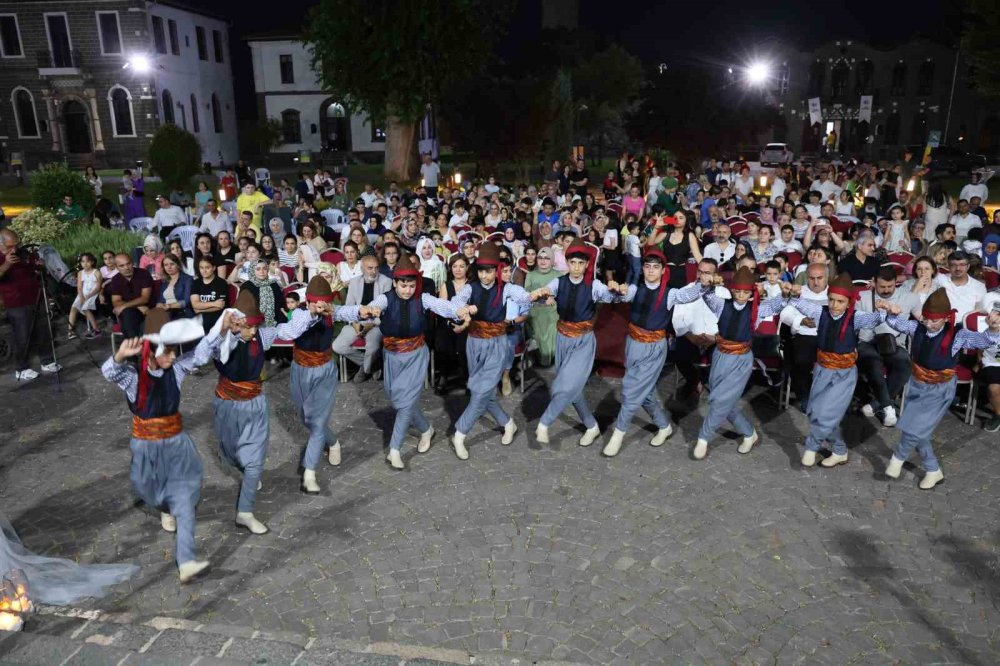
[(20, 286)]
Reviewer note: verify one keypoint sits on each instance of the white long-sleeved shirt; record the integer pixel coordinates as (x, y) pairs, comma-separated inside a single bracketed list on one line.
[(599, 291), (979, 190), (439, 306), (696, 317), (792, 318), (511, 292), (675, 297), (964, 338), (126, 376)]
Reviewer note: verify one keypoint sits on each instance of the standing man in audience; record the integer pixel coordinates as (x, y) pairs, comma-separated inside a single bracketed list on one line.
[(884, 361), (130, 296), (362, 290), (430, 171), (19, 289)]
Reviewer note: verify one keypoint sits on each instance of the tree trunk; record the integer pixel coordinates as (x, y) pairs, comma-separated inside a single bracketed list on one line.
[(400, 150)]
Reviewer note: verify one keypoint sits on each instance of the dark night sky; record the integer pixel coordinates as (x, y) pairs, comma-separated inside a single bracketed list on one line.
[(709, 31)]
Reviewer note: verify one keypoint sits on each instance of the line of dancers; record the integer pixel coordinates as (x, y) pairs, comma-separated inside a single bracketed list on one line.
[(166, 469)]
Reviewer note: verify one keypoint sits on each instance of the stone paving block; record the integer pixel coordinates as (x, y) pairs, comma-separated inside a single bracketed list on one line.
[(177, 641), (97, 655), (23, 648), (261, 651)]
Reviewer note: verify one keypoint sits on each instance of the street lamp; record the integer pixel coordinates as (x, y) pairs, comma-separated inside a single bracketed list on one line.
[(757, 73), (139, 63)]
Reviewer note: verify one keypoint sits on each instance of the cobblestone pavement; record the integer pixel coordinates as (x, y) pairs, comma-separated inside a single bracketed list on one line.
[(549, 551)]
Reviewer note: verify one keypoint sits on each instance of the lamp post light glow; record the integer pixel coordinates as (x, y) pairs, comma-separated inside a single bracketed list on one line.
[(763, 182), (911, 185), (458, 178), (757, 73), (140, 64), (222, 194)]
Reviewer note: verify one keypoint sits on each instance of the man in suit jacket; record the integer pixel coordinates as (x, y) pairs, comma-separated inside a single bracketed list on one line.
[(361, 291)]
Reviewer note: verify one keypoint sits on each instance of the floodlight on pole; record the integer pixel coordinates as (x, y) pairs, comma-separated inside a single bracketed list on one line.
[(140, 64), (757, 73)]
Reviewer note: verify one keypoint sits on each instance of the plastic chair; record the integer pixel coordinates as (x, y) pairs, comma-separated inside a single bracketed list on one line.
[(186, 234), (903, 258), (334, 218), (794, 260), (141, 224), (992, 278), (359, 343), (289, 273), (331, 257)]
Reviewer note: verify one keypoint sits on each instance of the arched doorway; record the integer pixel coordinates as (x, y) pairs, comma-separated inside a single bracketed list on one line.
[(335, 126), (76, 122)]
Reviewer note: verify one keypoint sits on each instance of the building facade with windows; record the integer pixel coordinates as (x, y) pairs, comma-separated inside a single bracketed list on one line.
[(311, 119), (89, 81), (912, 87)]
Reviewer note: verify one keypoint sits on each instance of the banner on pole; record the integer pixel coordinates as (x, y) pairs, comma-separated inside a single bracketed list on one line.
[(865, 109), (815, 113)]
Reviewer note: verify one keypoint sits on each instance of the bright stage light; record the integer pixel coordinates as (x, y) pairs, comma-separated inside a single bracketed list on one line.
[(757, 73), (140, 64)]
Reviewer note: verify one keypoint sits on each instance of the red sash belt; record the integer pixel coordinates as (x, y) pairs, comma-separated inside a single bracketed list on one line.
[(159, 427), (311, 359), (403, 345), (922, 374), (487, 329), (832, 361), (730, 347), (229, 390), (574, 329), (640, 334)]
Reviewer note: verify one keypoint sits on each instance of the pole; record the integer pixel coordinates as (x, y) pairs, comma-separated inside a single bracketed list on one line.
[(951, 95)]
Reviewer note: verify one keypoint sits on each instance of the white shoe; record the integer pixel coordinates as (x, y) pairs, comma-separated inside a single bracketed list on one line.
[(458, 442), (700, 449), (508, 432), (168, 522), (931, 479), (748, 442), (661, 436), (614, 444), (425, 441), (248, 521), (25, 375), (309, 485), (260, 484), (809, 458), (834, 460), (868, 411), (188, 571), (894, 468), (51, 367), (590, 435), (889, 417), (334, 455), (542, 433), (395, 459)]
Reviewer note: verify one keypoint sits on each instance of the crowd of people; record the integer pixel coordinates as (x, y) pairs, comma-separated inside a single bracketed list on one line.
[(841, 269)]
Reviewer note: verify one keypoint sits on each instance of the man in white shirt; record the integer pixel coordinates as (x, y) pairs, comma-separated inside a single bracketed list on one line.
[(826, 187), (430, 171), (976, 188), (215, 220), (722, 249), (803, 345), (695, 328), (964, 220), (168, 216), (965, 293), (778, 184), (990, 372)]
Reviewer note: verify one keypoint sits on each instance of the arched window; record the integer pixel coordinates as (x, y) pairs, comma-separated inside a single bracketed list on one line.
[(216, 114), (925, 80), (898, 86), (892, 129), (122, 122), (195, 121), (291, 128), (24, 113), (839, 78), (816, 74), (865, 77), (168, 107)]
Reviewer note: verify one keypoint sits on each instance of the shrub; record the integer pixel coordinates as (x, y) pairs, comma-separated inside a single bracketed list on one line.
[(38, 226), (175, 154), (54, 181), (95, 239)]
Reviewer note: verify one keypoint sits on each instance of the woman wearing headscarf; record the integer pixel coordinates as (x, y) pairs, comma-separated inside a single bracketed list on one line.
[(543, 234), (991, 250), (543, 317), (152, 256), (431, 265), (266, 293)]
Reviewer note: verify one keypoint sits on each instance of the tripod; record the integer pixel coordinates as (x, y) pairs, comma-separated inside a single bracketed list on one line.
[(42, 300)]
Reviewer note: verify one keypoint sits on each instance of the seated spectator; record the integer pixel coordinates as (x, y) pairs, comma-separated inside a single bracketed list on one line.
[(431, 265), (390, 255), (965, 293), (721, 249), (131, 291), (152, 255), (168, 216), (69, 210), (309, 235), (243, 270), (208, 293), (361, 290), (288, 251), (175, 289), (861, 264), (350, 267), (266, 291)]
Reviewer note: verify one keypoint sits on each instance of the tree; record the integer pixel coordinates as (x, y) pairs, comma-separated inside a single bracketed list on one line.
[(175, 154), (268, 135), (981, 43), (390, 59), (54, 181), (606, 87)]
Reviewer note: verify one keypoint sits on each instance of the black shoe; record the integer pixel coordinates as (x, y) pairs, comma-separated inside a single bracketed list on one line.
[(993, 425)]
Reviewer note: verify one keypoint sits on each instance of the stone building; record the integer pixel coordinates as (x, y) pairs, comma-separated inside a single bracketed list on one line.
[(913, 86), (89, 82)]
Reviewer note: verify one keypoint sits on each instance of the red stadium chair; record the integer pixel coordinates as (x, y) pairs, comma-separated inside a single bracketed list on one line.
[(794, 260), (289, 273), (992, 278), (904, 258), (331, 257)]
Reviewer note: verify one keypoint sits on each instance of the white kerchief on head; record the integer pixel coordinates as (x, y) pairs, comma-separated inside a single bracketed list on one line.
[(176, 332)]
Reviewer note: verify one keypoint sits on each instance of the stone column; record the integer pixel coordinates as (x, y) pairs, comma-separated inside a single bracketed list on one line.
[(50, 109), (95, 120)]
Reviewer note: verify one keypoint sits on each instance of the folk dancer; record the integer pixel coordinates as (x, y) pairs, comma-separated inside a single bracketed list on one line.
[(401, 311), (166, 469), (732, 360), (314, 375), (835, 374), (487, 347), (934, 348), (646, 347), (577, 294)]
